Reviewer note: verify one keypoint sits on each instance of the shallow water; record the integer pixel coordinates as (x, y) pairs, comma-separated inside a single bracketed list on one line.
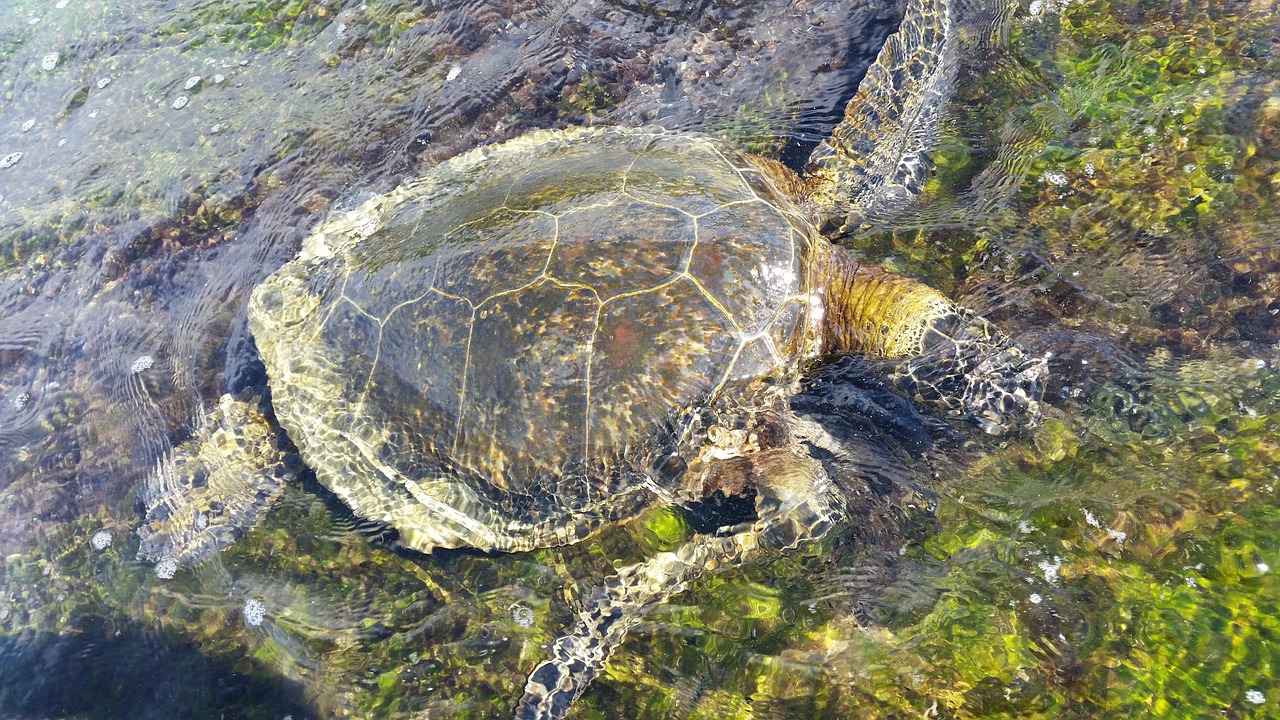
[(1106, 191)]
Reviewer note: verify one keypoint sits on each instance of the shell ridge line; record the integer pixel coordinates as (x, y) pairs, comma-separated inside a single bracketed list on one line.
[(555, 242), (728, 371), (655, 203), (507, 197), (768, 341), (567, 285), (368, 383), (626, 174), (737, 329), (593, 206), (436, 505), (737, 171), (512, 291), (794, 271), (753, 199), (693, 247), (586, 385), (462, 389), (333, 306), (671, 280)]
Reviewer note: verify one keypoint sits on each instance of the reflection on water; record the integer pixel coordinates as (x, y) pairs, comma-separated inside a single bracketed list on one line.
[(1106, 190)]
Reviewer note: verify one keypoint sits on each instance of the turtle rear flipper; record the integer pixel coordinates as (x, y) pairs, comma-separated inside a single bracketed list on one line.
[(211, 489), (875, 160), (794, 504)]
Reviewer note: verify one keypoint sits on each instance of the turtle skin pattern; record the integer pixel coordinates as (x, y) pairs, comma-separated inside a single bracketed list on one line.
[(501, 354)]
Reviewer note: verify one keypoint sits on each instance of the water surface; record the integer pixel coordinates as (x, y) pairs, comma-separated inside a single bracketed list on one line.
[(1105, 190)]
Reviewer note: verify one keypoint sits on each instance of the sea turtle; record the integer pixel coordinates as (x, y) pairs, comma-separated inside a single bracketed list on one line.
[(548, 335)]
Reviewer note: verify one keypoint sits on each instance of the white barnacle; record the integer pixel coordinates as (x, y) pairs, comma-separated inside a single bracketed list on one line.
[(254, 612), (218, 78), (50, 61), (1255, 696), (10, 160), (101, 540), (142, 363), (180, 102), (166, 568), (103, 82), (191, 82), (454, 71), (26, 126)]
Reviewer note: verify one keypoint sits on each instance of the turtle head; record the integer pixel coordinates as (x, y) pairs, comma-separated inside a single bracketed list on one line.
[(971, 368), (940, 353)]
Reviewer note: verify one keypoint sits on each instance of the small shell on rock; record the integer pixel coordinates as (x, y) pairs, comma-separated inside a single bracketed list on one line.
[(26, 126), (10, 160), (101, 540), (50, 61), (191, 82), (180, 102), (103, 82), (144, 362)]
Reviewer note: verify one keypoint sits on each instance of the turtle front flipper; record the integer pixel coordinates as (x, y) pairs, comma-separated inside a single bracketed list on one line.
[(875, 162), (211, 489), (794, 504)]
